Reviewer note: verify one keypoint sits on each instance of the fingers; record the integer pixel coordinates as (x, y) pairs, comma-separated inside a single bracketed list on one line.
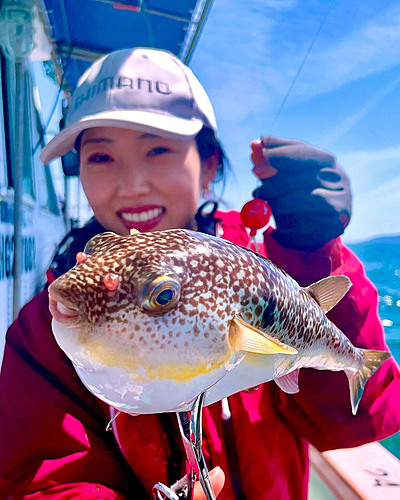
[(217, 478), (276, 142), (273, 155), (262, 168), (257, 154), (267, 153)]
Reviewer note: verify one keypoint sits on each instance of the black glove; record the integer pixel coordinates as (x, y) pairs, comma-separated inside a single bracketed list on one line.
[(310, 194)]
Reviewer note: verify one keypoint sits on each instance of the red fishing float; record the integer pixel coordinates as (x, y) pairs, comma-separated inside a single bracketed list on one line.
[(255, 214)]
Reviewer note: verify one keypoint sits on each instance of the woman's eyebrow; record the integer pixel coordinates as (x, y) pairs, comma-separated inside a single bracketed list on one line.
[(96, 140), (149, 136)]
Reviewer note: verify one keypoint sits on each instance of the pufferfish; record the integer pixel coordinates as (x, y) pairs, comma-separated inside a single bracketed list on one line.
[(152, 320)]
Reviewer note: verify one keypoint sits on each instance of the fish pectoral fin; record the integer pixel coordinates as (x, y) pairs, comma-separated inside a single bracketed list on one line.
[(245, 337), (329, 291), (289, 383)]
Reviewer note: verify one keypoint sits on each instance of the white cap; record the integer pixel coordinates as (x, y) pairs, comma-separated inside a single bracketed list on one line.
[(142, 89)]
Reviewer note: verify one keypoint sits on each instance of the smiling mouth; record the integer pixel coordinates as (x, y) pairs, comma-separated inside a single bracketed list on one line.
[(142, 220), (144, 216)]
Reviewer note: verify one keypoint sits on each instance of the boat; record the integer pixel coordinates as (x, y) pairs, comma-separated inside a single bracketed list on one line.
[(29, 205)]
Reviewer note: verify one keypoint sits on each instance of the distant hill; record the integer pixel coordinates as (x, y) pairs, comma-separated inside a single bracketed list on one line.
[(387, 240)]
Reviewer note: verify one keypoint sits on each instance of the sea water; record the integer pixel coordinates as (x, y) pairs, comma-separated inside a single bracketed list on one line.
[(381, 258)]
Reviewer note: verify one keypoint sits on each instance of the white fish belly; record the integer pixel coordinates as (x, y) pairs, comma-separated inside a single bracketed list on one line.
[(254, 370), (118, 388), (134, 392)]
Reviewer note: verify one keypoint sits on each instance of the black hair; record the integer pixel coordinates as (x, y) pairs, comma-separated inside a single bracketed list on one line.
[(207, 145)]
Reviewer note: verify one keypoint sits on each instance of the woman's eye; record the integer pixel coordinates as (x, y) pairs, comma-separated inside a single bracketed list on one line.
[(158, 151), (99, 158)]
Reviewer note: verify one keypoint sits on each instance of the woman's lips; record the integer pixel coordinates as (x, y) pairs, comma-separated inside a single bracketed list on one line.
[(143, 218)]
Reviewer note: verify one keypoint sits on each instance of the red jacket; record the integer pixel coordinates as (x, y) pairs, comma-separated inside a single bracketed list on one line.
[(53, 442)]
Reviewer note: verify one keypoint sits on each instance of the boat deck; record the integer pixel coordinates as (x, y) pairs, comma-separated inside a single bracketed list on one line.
[(368, 472)]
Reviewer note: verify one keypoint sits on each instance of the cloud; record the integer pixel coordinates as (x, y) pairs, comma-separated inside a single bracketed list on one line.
[(248, 55), (376, 212), (279, 4), (368, 169), (375, 183), (365, 50), (368, 156), (233, 58), (350, 121), (247, 58)]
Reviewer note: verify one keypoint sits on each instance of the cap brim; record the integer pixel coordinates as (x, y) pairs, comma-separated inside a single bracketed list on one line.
[(143, 121)]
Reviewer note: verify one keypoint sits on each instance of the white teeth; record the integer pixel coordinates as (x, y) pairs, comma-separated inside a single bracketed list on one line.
[(142, 216), (66, 311)]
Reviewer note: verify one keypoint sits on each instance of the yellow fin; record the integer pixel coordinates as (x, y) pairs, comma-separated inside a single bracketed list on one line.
[(244, 337), (329, 291)]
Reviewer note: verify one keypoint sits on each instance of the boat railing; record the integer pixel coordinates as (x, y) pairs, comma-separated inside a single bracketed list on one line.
[(368, 472)]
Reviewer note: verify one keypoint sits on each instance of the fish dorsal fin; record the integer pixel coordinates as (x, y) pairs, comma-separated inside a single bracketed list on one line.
[(245, 337), (329, 291), (289, 383)]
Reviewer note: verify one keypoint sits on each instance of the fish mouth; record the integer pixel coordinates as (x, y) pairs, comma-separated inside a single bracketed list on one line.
[(61, 309)]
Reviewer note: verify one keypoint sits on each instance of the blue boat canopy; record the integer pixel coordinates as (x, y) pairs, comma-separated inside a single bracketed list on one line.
[(83, 31)]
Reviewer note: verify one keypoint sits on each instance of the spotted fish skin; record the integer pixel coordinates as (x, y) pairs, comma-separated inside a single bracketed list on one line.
[(143, 357)]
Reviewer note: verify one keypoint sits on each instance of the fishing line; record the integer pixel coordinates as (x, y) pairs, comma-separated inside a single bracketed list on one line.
[(296, 76), (256, 213)]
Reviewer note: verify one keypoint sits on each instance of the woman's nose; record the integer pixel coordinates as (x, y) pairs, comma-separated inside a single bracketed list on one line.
[(133, 181)]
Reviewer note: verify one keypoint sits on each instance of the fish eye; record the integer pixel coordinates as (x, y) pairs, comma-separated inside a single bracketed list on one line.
[(161, 295)]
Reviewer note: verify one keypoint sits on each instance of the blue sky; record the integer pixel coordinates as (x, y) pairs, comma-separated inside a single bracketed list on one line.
[(346, 99)]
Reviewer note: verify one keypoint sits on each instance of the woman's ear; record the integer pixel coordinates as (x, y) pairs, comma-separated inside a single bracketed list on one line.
[(209, 167)]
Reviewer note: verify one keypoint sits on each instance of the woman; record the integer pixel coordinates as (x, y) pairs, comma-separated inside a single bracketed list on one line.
[(145, 133)]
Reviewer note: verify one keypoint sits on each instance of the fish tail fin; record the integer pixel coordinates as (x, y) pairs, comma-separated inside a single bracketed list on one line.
[(358, 379)]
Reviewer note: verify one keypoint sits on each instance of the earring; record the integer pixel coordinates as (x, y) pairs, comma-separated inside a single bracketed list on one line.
[(206, 193)]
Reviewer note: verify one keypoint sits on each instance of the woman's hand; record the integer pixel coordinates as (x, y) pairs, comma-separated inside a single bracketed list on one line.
[(308, 192), (217, 478)]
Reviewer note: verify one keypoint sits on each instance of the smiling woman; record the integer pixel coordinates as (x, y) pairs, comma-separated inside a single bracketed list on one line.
[(141, 180)]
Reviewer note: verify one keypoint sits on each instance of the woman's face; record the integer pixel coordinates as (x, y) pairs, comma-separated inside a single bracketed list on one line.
[(143, 181)]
